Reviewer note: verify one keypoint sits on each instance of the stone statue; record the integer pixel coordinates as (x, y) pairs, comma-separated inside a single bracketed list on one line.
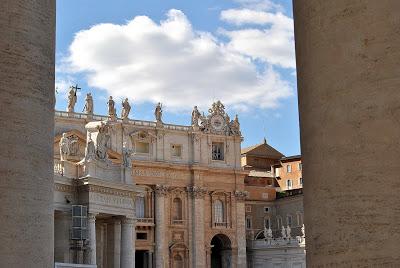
[(158, 113), (235, 126), (126, 108), (195, 117), (283, 232), (303, 231), (90, 150), (71, 99), (269, 233), (88, 109), (111, 107), (288, 232), (64, 147), (102, 141), (126, 155)]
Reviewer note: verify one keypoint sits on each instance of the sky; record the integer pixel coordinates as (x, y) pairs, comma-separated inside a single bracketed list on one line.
[(184, 53)]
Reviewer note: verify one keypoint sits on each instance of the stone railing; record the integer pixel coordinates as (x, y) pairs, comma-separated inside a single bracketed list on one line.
[(73, 265), (221, 224), (145, 221), (297, 241), (143, 123), (178, 222), (58, 167)]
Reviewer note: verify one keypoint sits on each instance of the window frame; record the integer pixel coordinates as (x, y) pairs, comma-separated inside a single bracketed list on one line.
[(221, 153)]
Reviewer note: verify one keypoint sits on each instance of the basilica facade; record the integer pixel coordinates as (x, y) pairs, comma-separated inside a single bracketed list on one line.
[(147, 193)]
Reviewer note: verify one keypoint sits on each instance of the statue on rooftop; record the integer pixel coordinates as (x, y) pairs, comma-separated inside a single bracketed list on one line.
[(303, 231), (102, 141), (64, 147), (235, 126), (158, 113), (126, 155), (126, 108), (72, 99), (111, 107), (88, 109), (195, 117)]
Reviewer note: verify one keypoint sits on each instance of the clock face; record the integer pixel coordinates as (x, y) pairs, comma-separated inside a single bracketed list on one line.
[(217, 122)]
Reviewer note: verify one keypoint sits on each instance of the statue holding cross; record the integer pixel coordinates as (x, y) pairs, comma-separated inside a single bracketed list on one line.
[(72, 98)]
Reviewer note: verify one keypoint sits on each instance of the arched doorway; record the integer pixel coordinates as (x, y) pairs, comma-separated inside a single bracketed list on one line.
[(221, 252)]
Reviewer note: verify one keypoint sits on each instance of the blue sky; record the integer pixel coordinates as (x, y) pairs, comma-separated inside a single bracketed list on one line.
[(184, 53)]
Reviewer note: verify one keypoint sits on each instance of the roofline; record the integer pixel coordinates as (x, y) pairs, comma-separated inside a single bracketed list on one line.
[(293, 157)]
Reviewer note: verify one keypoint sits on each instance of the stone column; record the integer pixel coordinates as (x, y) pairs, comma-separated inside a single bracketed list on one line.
[(128, 243), (91, 252), (160, 232), (27, 30), (199, 251), (117, 244), (348, 54), (241, 228)]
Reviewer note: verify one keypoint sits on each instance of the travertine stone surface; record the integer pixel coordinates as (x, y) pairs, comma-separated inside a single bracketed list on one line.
[(348, 54), (27, 30)]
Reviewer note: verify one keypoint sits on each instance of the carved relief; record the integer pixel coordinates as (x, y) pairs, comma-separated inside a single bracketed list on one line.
[(241, 195)]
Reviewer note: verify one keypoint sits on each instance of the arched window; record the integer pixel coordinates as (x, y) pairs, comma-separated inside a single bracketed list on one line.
[(289, 220), (139, 205), (177, 207), (218, 211), (178, 261)]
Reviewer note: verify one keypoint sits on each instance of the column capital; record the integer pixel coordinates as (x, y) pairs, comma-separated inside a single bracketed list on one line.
[(92, 216), (197, 191), (161, 190), (241, 195)]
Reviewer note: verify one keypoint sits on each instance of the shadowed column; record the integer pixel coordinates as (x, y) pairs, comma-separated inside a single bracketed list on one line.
[(348, 55), (27, 30)]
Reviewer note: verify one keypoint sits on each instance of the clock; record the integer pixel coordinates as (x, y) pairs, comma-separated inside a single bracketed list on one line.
[(217, 122)]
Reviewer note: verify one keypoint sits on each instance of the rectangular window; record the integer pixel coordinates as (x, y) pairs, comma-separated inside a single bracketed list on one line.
[(139, 204), (264, 195), (266, 209), (248, 208), (248, 223), (301, 181), (300, 166), (288, 168), (141, 236), (289, 184), (266, 223), (217, 151), (176, 150), (142, 147), (279, 222)]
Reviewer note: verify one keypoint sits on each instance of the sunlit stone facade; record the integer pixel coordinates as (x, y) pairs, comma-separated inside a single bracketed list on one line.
[(158, 195)]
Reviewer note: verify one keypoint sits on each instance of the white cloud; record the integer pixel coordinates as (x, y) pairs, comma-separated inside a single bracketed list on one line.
[(274, 43), (172, 63), (259, 4)]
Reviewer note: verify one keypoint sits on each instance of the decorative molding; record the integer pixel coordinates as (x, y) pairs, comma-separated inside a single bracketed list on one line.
[(106, 190), (128, 221), (197, 191), (64, 188)]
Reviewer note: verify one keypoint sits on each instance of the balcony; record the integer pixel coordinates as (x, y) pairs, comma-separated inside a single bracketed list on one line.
[(221, 224), (145, 222)]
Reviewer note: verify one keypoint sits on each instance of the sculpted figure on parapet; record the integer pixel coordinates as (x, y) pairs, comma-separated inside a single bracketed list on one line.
[(126, 155), (195, 117), (158, 113), (126, 108), (88, 109), (111, 107), (71, 99)]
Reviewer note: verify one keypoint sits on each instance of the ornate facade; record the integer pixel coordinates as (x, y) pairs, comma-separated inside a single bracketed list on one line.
[(158, 195)]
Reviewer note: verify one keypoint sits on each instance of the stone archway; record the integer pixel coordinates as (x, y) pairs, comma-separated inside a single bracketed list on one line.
[(221, 251)]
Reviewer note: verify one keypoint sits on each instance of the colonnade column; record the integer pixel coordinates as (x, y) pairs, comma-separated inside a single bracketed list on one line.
[(241, 228), (199, 251), (160, 248), (347, 57), (117, 243), (91, 253), (27, 30), (128, 243)]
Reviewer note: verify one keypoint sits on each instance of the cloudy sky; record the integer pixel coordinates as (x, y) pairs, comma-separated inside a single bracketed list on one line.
[(184, 53)]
